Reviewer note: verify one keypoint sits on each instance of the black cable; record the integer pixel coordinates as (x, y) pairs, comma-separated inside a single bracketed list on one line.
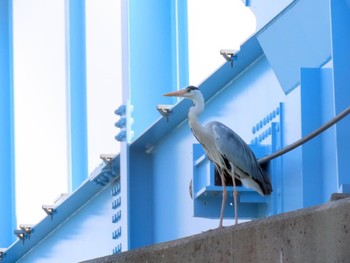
[(306, 138)]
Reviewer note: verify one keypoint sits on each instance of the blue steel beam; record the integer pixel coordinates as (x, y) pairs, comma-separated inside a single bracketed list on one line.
[(62, 211), (179, 27), (158, 55), (249, 53), (124, 240), (157, 61), (76, 93), (7, 174), (340, 13), (311, 118)]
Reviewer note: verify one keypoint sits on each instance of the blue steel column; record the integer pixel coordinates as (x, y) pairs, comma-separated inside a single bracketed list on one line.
[(157, 63), (7, 174), (340, 24), (76, 93), (158, 57), (124, 145), (311, 118), (179, 36)]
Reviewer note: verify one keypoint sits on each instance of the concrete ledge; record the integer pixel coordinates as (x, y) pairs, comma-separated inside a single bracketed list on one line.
[(316, 234)]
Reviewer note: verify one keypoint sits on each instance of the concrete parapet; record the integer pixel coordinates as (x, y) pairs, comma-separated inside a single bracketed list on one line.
[(316, 234)]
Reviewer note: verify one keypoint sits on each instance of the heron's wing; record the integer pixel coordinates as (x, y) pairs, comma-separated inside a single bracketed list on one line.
[(236, 151)]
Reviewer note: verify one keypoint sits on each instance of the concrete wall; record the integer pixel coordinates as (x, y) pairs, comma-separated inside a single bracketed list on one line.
[(316, 234)]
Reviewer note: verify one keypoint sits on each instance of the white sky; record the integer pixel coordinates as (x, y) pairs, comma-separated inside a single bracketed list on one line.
[(40, 84)]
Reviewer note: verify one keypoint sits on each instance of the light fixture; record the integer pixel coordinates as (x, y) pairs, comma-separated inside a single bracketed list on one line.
[(107, 158), (2, 253), (49, 210), (28, 229), (20, 234), (165, 110), (229, 55)]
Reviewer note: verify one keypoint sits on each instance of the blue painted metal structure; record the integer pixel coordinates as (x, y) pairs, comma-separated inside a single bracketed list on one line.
[(154, 49), (279, 89), (72, 220), (340, 12), (158, 55), (76, 93), (269, 72), (7, 173)]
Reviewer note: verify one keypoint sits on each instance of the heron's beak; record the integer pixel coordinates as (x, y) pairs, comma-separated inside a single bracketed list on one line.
[(178, 93)]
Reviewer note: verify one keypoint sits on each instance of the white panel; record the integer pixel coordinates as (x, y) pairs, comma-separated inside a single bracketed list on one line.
[(103, 59), (212, 26), (40, 105)]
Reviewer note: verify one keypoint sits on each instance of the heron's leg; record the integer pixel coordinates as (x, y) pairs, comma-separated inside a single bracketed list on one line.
[(224, 197), (234, 194)]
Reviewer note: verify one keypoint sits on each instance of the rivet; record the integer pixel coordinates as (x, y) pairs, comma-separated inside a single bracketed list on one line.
[(265, 133)]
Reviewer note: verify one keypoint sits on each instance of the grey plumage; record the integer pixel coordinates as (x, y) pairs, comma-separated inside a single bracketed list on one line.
[(228, 151)]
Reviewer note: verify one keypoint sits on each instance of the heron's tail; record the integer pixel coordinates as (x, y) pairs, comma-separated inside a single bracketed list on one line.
[(265, 183)]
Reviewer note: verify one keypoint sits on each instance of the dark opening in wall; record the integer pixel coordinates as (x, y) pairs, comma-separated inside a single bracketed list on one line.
[(228, 179)]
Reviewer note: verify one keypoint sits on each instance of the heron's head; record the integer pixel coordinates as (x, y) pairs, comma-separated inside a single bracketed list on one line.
[(190, 92), (194, 94)]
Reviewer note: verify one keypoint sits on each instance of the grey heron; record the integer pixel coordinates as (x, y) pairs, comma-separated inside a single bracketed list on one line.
[(226, 149)]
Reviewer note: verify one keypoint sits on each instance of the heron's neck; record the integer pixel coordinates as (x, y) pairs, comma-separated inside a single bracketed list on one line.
[(193, 113)]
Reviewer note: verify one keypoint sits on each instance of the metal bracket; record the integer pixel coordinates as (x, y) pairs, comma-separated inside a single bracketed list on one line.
[(28, 229), (107, 158), (2, 253), (229, 54), (121, 136), (165, 110), (20, 234), (121, 123), (49, 210), (117, 249), (125, 122), (105, 172), (121, 110)]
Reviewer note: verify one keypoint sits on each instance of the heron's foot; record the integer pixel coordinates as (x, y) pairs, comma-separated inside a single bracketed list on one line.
[(209, 230), (220, 226)]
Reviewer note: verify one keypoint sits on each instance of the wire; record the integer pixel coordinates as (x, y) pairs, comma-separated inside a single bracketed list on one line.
[(306, 138)]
